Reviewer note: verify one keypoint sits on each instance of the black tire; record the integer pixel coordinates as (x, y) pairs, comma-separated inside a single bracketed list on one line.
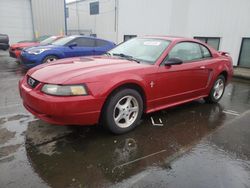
[(48, 58), (110, 109), (211, 97)]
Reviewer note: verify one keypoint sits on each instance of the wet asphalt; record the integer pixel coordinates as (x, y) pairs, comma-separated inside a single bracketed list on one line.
[(197, 145)]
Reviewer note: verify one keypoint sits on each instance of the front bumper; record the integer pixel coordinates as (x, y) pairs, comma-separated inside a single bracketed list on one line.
[(69, 110), (29, 61), (12, 53)]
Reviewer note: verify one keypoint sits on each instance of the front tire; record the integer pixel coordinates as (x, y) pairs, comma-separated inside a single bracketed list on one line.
[(50, 59), (217, 91), (123, 111)]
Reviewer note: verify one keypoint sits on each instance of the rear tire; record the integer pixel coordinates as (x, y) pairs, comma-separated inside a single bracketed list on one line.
[(50, 59), (217, 91), (123, 111)]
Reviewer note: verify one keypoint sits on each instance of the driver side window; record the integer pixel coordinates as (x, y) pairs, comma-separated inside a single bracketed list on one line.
[(186, 51), (83, 42)]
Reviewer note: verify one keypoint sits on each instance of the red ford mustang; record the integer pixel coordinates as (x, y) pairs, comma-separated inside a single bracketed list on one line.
[(139, 76)]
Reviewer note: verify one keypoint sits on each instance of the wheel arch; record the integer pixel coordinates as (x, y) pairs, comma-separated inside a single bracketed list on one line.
[(128, 85), (54, 52), (225, 74)]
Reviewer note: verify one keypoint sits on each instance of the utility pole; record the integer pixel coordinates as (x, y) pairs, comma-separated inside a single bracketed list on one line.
[(78, 21), (116, 19)]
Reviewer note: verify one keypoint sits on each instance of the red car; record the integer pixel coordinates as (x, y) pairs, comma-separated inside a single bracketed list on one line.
[(142, 75), (15, 49)]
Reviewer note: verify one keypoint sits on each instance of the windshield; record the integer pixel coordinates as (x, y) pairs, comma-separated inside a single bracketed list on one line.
[(48, 40), (63, 41), (142, 49), (41, 38)]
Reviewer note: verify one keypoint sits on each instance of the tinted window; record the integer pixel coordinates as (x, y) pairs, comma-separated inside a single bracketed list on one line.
[(100, 43), (206, 53), (186, 51), (85, 42)]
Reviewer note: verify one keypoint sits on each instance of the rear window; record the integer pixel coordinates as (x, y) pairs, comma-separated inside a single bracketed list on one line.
[(100, 43), (205, 52)]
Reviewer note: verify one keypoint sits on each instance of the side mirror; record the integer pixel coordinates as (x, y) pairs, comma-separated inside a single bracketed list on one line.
[(173, 61), (72, 45)]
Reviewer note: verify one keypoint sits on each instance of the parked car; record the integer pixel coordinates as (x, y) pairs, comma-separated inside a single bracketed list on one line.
[(142, 75), (38, 39), (4, 42), (15, 49), (70, 46)]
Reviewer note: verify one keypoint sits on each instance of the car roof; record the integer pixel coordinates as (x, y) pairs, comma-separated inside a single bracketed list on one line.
[(171, 38), (84, 36)]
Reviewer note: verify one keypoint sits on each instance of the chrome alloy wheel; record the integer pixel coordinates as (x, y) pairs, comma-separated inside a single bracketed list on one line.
[(126, 111), (218, 89)]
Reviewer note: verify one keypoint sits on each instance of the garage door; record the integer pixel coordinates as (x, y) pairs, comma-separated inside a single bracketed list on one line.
[(16, 20)]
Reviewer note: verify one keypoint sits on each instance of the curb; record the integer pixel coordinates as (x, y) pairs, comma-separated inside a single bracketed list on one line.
[(241, 77)]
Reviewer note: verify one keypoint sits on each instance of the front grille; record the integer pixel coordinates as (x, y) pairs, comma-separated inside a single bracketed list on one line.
[(32, 82)]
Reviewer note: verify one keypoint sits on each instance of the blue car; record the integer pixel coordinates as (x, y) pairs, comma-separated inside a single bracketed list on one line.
[(70, 46)]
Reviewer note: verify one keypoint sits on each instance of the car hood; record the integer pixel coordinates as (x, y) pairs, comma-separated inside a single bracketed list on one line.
[(83, 69), (51, 46), (24, 45)]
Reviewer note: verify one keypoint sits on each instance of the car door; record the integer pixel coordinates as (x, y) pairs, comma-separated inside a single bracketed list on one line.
[(84, 47), (177, 83)]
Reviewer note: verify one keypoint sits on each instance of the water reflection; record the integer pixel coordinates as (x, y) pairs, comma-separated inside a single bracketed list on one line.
[(93, 157)]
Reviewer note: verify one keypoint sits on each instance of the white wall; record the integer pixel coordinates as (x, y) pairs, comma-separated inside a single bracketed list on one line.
[(103, 24), (16, 20), (48, 17), (227, 19)]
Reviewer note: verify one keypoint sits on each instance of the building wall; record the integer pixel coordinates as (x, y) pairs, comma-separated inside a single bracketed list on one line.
[(16, 20), (103, 24), (227, 19), (48, 17)]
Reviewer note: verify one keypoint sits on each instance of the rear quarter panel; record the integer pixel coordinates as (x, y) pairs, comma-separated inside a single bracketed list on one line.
[(220, 64)]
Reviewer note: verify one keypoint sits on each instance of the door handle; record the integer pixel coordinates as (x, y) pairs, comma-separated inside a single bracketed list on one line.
[(202, 67)]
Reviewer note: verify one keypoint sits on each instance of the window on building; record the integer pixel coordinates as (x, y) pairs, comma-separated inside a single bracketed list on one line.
[(211, 41), (67, 12), (186, 51), (94, 8), (244, 58), (93, 35), (128, 37)]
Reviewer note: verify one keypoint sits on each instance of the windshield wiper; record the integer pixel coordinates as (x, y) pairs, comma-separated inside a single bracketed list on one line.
[(128, 57)]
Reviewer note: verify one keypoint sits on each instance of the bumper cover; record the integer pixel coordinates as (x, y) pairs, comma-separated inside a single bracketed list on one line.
[(76, 110), (12, 54)]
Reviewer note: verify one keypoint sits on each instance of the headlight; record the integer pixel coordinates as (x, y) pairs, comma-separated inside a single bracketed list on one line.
[(65, 90), (37, 51)]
